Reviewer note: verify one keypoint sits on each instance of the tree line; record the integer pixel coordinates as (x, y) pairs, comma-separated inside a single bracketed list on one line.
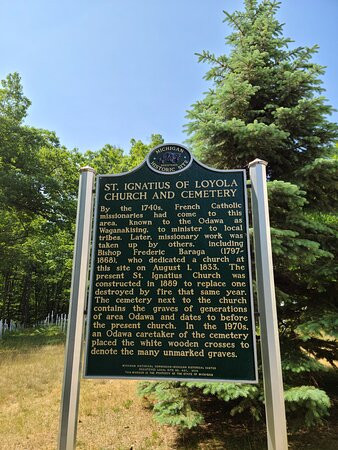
[(38, 197)]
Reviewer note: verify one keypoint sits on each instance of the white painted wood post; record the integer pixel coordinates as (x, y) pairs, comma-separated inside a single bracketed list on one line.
[(71, 379), (271, 359)]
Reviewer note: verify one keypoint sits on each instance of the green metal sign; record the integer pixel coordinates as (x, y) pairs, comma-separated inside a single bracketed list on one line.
[(170, 291)]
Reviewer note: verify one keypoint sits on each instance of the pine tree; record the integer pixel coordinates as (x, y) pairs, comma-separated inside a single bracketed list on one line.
[(265, 97), (266, 102)]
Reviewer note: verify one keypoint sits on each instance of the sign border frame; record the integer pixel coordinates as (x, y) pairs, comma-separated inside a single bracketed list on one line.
[(92, 262)]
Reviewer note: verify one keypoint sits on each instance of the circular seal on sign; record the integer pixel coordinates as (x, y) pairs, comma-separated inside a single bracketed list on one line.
[(169, 158)]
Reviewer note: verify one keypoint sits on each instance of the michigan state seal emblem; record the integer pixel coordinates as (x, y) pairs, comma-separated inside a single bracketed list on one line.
[(169, 158)]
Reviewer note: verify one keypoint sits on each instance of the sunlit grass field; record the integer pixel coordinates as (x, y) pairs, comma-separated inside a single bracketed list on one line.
[(111, 415)]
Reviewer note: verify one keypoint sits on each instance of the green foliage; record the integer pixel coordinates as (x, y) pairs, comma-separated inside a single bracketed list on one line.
[(13, 104), (109, 159), (31, 338), (139, 150), (248, 397), (298, 362), (325, 325), (112, 160), (320, 179), (264, 96), (172, 404), (306, 403), (38, 198), (38, 189)]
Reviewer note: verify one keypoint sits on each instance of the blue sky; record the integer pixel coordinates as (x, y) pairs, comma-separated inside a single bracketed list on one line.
[(106, 71)]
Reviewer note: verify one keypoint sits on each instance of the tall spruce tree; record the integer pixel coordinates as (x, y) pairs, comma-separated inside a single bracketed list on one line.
[(265, 101)]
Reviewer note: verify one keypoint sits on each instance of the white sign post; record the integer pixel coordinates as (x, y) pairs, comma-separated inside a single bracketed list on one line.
[(271, 360), (71, 378)]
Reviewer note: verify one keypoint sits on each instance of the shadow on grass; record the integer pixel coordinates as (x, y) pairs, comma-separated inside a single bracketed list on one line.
[(221, 431), (230, 438), (31, 338)]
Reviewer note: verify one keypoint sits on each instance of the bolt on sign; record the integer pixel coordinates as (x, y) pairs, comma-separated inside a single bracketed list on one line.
[(170, 291)]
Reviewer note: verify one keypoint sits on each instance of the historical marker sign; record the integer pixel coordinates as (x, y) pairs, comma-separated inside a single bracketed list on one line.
[(170, 293)]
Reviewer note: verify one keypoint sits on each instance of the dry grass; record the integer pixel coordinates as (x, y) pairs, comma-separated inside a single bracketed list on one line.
[(30, 397), (111, 415)]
